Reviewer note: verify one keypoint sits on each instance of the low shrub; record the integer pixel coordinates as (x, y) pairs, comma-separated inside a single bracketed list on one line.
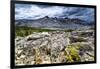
[(72, 54)]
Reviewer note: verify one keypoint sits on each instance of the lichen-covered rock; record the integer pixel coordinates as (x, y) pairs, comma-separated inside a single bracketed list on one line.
[(53, 47)]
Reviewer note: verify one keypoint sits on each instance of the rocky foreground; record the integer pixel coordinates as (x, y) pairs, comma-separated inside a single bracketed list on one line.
[(54, 47)]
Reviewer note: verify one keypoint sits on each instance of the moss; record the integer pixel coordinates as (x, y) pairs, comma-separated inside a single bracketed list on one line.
[(69, 58), (77, 46), (72, 54)]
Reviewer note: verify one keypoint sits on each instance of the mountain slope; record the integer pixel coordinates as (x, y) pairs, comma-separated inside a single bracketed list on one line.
[(57, 23)]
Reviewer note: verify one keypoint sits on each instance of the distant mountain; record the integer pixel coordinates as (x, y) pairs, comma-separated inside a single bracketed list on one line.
[(47, 22)]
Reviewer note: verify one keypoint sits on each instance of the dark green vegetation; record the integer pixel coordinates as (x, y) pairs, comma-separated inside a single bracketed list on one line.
[(24, 31), (69, 30)]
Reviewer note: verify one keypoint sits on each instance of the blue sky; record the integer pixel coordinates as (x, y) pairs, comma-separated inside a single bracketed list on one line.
[(30, 11)]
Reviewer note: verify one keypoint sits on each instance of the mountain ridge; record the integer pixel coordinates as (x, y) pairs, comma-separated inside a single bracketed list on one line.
[(47, 22)]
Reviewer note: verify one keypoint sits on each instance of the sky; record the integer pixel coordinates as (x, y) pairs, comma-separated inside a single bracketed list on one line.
[(33, 11)]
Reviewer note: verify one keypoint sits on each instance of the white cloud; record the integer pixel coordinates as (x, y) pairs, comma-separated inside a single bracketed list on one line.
[(35, 12), (29, 11)]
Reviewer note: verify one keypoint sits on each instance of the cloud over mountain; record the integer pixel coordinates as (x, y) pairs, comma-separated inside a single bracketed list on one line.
[(30, 11)]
